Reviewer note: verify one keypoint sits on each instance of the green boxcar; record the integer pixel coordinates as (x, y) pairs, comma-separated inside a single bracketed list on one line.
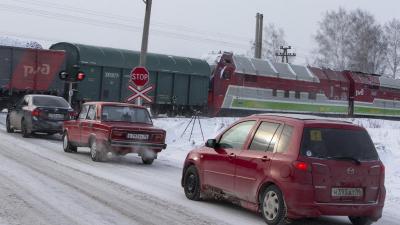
[(180, 83)]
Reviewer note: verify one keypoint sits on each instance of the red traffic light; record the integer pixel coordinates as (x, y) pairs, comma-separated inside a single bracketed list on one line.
[(80, 76)]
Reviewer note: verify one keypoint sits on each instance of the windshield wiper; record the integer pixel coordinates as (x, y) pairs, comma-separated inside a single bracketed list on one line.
[(349, 158)]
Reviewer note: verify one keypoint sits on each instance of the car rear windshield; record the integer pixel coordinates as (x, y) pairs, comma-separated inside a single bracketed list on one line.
[(125, 114), (50, 101), (338, 143)]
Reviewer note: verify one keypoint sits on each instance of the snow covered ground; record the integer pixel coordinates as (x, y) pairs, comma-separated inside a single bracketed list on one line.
[(48, 186)]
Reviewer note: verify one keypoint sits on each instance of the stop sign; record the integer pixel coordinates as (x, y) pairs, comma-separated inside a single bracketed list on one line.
[(140, 76)]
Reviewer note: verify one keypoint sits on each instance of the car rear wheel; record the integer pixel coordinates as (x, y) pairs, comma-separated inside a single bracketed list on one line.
[(360, 220), (147, 161), (96, 152), (273, 208), (24, 129), (67, 146), (191, 183), (8, 125)]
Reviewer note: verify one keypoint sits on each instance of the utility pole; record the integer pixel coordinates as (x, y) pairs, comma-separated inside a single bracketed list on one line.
[(145, 39), (285, 54), (258, 39), (256, 42)]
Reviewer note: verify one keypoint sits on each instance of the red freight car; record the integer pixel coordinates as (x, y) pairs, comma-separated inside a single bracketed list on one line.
[(24, 70)]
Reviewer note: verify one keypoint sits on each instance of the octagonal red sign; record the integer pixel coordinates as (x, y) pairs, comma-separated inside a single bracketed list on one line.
[(140, 76)]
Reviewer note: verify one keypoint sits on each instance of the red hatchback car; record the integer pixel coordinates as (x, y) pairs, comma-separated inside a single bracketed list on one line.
[(290, 167), (118, 128)]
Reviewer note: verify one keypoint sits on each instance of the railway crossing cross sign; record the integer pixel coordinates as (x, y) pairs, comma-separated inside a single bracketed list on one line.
[(137, 93), (140, 76)]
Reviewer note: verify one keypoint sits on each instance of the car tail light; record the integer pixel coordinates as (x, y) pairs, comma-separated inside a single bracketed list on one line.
[(36, 112), (72, 114), (303, 166), (158, 138), (382, 169)]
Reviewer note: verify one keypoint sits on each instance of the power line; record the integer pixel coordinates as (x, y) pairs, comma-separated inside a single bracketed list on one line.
[(130, 19), (112, 25)]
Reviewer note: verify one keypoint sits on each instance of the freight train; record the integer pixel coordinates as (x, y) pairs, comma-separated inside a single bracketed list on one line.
[(222, 84)]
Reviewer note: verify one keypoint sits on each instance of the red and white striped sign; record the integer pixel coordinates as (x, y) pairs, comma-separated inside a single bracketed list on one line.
[(139, 93)]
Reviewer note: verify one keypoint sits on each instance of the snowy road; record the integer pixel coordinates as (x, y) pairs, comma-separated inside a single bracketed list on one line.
[(40, 184)]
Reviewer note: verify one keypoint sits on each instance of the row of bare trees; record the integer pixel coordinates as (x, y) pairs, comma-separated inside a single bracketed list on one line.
[(354, 40), (347, 40)]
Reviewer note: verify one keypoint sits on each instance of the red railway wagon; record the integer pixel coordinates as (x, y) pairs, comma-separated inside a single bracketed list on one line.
[(24, 70)]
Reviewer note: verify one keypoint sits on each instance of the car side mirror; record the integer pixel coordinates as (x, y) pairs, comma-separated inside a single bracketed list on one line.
[(211, 143)]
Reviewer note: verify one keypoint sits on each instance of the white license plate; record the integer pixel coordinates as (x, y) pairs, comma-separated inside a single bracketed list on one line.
[(137, 136), (56, 116), (347, 192)]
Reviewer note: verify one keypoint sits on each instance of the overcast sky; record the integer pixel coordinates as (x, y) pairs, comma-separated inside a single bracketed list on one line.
[(178, 27)]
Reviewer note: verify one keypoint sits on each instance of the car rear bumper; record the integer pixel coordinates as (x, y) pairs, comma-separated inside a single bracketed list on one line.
[(47, 126), (301, 203), (139, 145)]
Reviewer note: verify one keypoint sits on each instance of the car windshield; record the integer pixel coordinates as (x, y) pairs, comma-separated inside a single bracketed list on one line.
[(338, 144), (125, 114), (50, 101)]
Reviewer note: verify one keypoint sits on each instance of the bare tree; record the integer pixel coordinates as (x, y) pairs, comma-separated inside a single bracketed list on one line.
[(16, 42), (367, 44), (351, 41), (274, 37), (333, 39), (392, 36), (33, 44)]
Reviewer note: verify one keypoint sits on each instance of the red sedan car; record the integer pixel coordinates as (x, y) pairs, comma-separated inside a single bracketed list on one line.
[(290, 167), (118, 128)]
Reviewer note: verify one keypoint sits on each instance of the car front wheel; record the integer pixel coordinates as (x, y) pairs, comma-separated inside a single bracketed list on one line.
[(8, 125), (67, 146), (360, 220), (96, 152), (192, 183), (273, 208)]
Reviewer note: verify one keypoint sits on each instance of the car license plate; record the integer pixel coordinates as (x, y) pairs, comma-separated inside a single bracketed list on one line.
[(138, 136), (347, 192), (55, 116)]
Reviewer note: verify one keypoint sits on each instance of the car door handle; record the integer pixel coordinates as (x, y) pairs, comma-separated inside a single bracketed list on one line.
[(265, 158), (232, 155)]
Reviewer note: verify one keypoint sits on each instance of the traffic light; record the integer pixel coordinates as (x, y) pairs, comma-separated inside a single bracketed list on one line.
[(80, 76), (63, 75)]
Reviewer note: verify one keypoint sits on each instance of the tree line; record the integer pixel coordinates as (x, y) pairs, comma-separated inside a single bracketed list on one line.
[(347, 40)]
